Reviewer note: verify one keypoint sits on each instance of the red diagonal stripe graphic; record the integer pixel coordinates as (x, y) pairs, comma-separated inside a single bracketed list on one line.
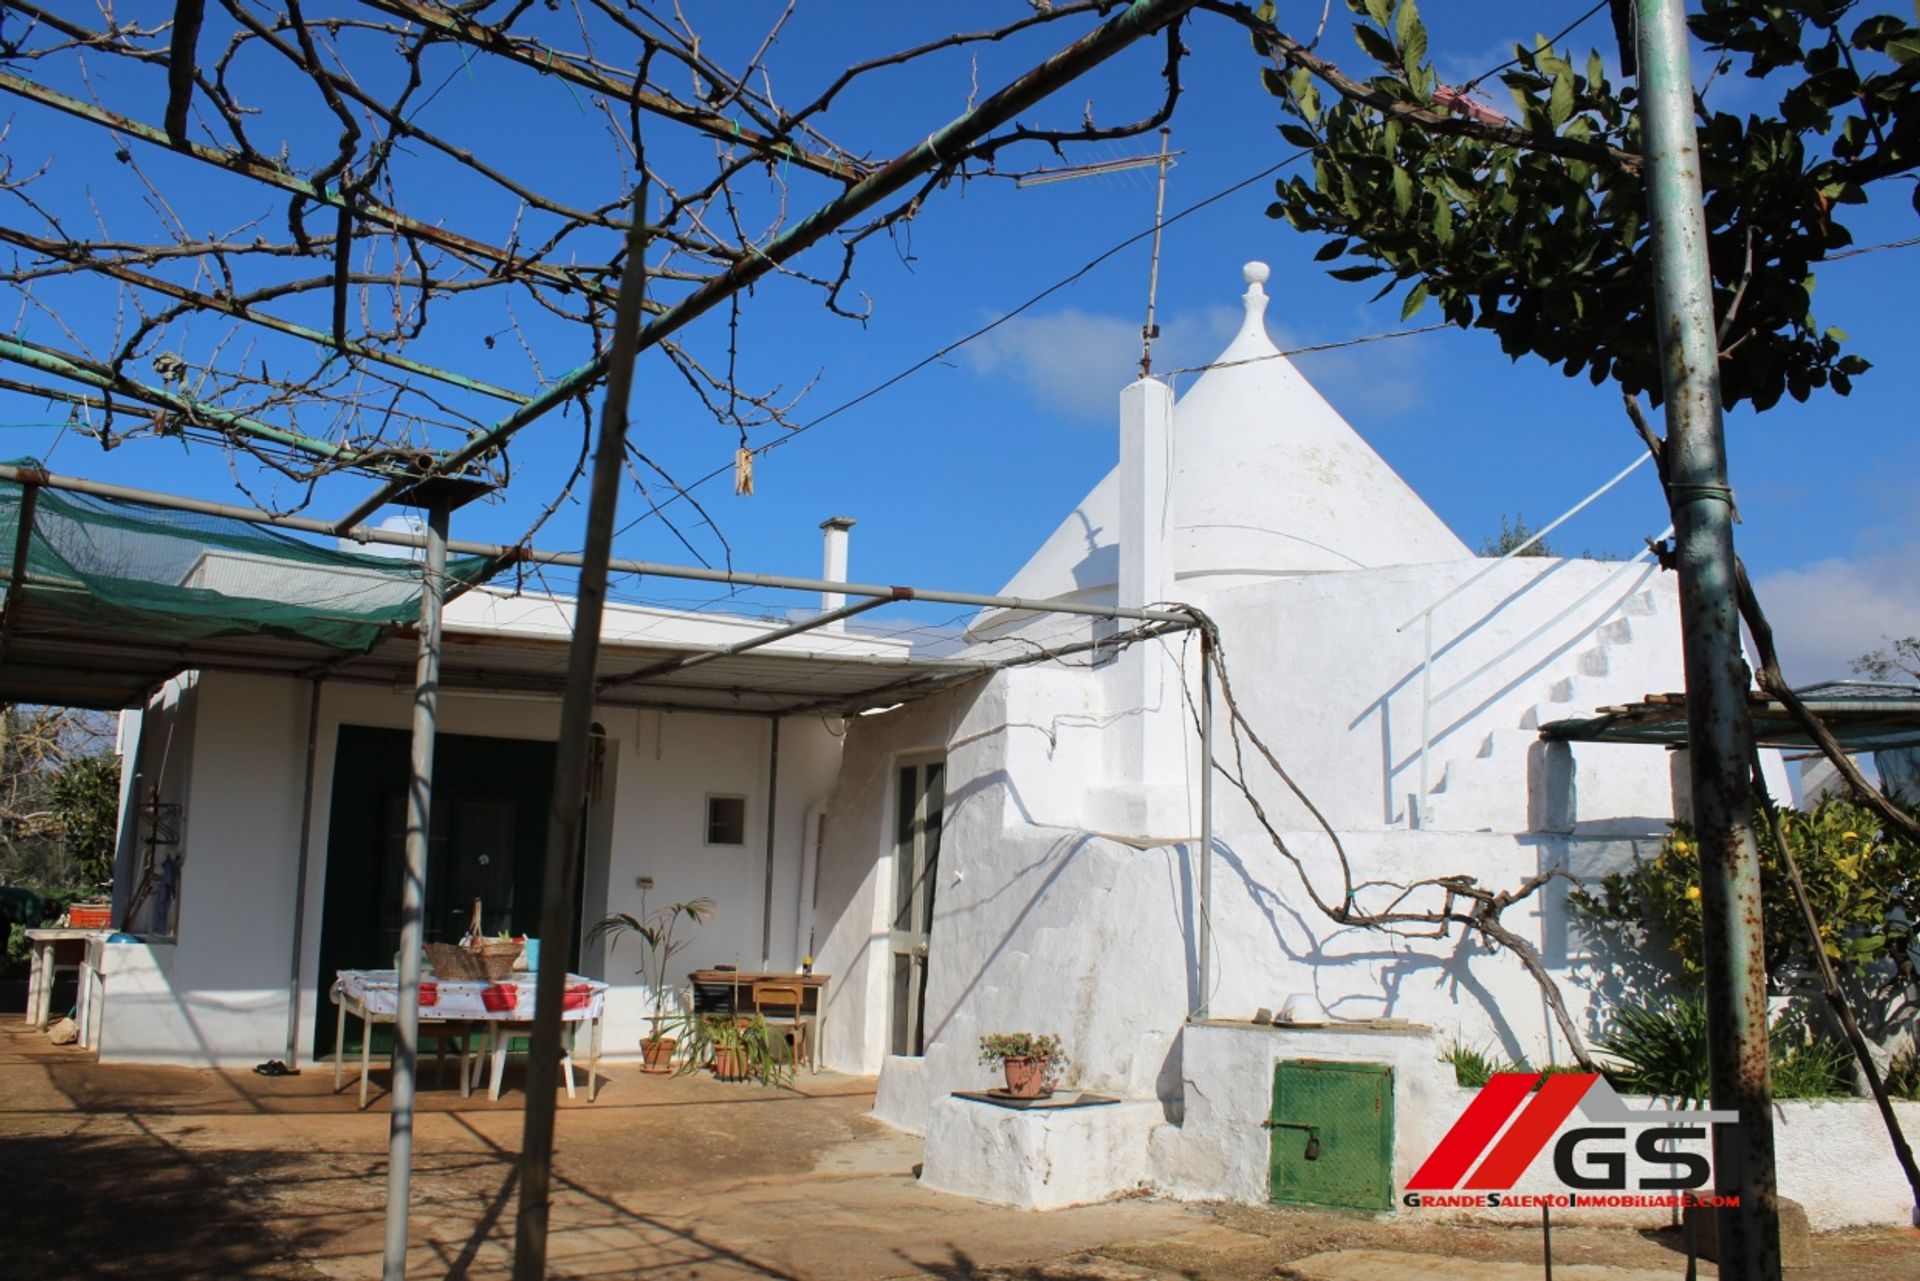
[(1531, 1130), (1473, 1131)]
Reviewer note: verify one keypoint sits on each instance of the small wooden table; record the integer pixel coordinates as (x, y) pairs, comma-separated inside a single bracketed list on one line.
[(45, 948), (725, 991)]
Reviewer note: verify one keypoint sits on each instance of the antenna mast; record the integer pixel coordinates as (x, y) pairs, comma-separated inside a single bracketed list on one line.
[(1163, 161), (1151, 331)]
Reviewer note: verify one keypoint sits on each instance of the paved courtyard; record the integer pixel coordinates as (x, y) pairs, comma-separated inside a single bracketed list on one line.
[(161, 1173)]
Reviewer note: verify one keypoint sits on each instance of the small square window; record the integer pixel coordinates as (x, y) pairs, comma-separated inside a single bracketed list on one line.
[(726, 820)]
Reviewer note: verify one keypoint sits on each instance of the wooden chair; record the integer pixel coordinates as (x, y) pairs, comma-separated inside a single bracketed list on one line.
[(785, 1003)]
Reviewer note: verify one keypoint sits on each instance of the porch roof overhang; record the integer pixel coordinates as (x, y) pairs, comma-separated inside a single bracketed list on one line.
[(1865, 716), (112, 591), (53, 658)]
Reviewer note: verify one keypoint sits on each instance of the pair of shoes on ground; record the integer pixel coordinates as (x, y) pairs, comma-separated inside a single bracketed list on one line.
[(274, 1067)]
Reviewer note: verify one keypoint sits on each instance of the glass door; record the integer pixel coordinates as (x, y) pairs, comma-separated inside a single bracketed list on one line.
[(919, 799)]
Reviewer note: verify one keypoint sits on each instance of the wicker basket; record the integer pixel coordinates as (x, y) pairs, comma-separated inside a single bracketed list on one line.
[(490, 960)]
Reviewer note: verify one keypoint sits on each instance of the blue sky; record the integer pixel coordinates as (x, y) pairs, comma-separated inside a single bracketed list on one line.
[(958, 472)]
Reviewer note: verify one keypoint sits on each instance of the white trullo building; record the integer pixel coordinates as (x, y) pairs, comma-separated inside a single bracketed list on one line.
[(1020, 851), (1042, 827)]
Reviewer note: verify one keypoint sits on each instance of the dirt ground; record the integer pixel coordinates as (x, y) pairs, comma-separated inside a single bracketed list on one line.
[(161, 1173)]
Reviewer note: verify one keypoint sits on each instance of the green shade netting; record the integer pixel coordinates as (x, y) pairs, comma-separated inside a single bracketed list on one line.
[(182, 576)]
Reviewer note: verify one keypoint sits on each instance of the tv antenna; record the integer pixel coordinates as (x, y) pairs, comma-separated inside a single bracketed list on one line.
[(1163, 162)]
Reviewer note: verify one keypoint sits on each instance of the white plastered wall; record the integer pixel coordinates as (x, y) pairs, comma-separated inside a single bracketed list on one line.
[(1059, 923), (219, 994)]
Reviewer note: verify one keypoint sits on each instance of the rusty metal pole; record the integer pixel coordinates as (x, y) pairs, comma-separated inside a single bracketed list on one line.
[(1719, 734), (567, 807), (942, 147)]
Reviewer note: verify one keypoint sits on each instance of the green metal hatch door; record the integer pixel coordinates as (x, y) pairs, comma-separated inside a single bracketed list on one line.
[(1332, 1131)]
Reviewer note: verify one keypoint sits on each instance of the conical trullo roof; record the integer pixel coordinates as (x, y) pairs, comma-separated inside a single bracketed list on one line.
[(1268, 480)]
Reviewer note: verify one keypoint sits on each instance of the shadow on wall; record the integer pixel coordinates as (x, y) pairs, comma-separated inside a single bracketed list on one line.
[(1394, 763), (1395, 969), (1608, 970), (1036, 880)]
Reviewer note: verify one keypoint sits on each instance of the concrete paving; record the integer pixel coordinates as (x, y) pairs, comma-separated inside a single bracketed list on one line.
[(151, 1174), (191, 1174)]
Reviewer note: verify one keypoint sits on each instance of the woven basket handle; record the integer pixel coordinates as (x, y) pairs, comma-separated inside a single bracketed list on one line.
[(473, 926)]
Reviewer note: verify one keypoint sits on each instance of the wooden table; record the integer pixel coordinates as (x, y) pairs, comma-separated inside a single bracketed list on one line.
[(44, 956), (726, 991), (372, 996)]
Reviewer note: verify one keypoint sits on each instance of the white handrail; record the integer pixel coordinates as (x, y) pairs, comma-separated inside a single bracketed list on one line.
[(1539, 534), (1553, 622), (1418, 810)]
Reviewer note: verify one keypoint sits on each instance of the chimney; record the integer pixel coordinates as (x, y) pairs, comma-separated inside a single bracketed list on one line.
[(833, 563)]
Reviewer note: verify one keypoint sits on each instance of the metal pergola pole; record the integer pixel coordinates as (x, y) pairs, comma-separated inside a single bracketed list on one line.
[(300, 877), (413, 893), (566, 810), (773, 797), (1719, 733)]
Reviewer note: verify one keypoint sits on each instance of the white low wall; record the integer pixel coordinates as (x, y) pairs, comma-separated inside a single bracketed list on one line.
[(1833, 1155), (1043, 1159), (1219, 1151), (1835, 1159), (150, 1016)]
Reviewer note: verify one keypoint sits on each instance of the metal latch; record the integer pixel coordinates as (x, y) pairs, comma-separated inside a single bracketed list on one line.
[(1313, 1135)]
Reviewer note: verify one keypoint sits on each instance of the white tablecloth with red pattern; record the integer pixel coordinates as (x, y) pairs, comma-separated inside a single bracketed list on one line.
[(373, 996), (511, 1000)]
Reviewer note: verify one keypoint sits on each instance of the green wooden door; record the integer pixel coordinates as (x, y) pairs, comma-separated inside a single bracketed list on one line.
[(1332, 1128)]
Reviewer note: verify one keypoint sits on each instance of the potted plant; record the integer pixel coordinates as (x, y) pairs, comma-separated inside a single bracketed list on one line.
[(1030, 1061), (736, 1047), (655, 930)]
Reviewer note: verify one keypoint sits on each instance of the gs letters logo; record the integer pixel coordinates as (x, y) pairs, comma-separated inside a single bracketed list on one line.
[(1483, 1155)]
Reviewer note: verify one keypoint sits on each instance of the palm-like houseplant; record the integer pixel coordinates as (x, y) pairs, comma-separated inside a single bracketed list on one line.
[(656, 930)]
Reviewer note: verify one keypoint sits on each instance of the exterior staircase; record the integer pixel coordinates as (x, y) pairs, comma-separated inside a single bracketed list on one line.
[(1490, 788)]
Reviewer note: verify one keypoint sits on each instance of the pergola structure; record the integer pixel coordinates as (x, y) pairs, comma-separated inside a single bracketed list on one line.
[(347, 206), (70, 635), (1863, 716)]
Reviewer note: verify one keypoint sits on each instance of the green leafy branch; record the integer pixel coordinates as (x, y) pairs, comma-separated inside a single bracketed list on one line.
[(1533, 224)]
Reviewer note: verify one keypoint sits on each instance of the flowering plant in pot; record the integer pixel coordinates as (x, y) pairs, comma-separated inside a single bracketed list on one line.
[(655, 930), (1031, 1061)]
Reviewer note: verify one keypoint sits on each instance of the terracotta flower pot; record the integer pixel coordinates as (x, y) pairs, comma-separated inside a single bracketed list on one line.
[(1026, 1077), (728, 1065), (659, 1052)]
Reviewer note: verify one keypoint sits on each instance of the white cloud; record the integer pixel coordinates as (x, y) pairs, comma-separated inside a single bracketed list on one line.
[(1831, 611), (1073, 363)]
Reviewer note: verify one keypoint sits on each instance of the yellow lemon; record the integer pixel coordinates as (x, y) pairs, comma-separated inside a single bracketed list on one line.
[(1693, 893)]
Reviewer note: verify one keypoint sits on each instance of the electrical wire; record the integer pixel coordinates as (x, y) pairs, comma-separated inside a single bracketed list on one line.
[(1069, 279), (951, 347), (1313, 347), (1908, 243), (1541, 47)]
